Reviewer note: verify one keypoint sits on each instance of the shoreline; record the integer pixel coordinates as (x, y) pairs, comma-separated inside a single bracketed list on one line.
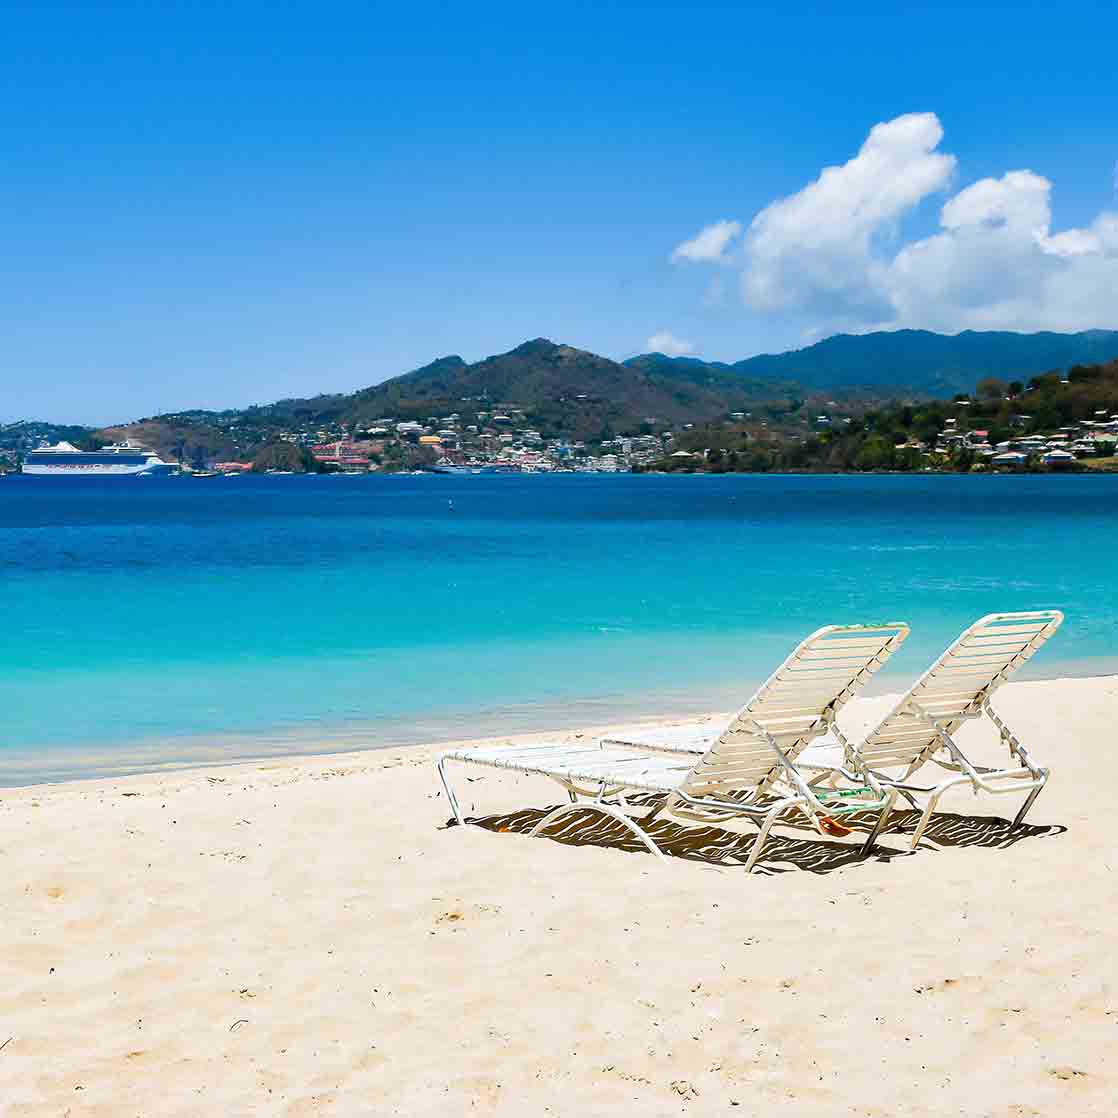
[(1104, 470), (51, 765)]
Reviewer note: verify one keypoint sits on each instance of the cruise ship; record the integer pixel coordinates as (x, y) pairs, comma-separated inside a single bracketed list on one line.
[(124, 459)]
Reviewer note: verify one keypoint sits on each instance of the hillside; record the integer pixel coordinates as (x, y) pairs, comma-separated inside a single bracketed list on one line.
[(917, 360), (174, 439), (936, 434), (558, 390), (565, 392)]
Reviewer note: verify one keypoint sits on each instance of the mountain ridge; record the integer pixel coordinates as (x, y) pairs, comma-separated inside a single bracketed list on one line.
[(917, 360), (567, 390), (570, 393)]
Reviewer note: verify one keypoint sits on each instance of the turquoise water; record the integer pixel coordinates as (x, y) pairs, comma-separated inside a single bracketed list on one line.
[(147, 621)]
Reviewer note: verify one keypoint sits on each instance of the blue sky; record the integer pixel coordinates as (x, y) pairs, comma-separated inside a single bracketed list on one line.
[(212, 205)]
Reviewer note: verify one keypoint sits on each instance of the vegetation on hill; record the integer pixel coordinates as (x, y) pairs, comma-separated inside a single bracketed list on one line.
[(563, 392), (174, 439), (571, 393), (282, 455), (918, 360), (560, 391), (26, 434), (904, 437), (761, 413)]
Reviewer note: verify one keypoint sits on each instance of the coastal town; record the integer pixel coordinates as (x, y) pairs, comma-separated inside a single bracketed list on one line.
[(1091, 439), (501, 442), (1057, 421), (496, 442)]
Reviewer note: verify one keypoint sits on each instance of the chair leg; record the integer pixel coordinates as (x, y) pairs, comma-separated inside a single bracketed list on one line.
[(910, 798), (879, 826), (605, 809), (922, 826), (933, 799), (450, 792), (766, 826), (1019, 818)]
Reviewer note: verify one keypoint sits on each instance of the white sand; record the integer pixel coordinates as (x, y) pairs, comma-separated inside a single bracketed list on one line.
[(307, 937)]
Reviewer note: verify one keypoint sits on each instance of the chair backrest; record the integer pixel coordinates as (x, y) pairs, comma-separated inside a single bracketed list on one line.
[(794, 705), (956, 685)]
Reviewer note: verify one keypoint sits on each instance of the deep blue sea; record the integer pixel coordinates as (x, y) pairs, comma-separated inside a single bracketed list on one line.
[(147, 621)]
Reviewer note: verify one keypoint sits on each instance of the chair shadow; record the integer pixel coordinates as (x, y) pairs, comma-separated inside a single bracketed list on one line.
[(948, 828), (717, 846)]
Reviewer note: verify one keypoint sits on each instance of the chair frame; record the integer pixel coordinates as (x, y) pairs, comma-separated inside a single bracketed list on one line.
[(1026, 775), (602, 785), (609, 798), (858, 771)]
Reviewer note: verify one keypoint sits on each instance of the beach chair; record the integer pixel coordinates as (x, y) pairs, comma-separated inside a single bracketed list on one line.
[(748, 771), (957, 688), (920, 727)]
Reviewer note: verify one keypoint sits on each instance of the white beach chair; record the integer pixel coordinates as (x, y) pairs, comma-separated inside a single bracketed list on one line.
[(920, 729), (749, 769)]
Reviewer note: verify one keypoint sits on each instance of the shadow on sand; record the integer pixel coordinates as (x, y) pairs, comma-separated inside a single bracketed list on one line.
[(717, 846)]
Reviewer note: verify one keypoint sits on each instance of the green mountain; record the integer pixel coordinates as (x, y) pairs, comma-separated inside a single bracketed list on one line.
[(914, 360), (931, 434), (556, 389), (565, 391)]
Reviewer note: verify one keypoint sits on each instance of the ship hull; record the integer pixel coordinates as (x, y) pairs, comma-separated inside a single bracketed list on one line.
[(113, 469)]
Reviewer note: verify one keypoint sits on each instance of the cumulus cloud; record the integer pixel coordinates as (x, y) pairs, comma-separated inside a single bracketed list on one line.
[(996, 264), (819, 249), (834, 252), (708, 244), (668, 344)]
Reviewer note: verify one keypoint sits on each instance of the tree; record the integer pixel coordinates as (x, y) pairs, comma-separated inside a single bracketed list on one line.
[(908, 458), (1079, 373), (1045, 381), (876, 454), (963, 459), (282, 455), (991, 388), (756, 462)]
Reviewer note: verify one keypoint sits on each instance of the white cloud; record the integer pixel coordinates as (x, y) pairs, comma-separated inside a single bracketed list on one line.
[(708, 244), (668, 344), (996, 264), (833, 251), (817, 249)]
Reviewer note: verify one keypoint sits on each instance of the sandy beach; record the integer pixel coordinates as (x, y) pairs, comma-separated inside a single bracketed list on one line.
[(310, 937)]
